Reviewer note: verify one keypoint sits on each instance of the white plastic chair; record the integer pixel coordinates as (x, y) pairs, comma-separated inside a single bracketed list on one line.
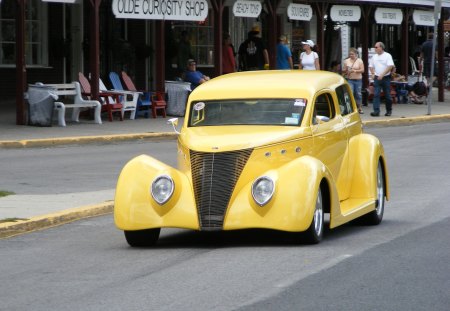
[(128, 99), (414, 69)]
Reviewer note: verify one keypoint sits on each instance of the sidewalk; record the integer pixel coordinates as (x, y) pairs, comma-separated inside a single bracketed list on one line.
[(42, 211)]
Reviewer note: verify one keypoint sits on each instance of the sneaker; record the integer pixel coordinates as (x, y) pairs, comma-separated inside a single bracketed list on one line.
[(388, 113), (360, 111), (375, 114)]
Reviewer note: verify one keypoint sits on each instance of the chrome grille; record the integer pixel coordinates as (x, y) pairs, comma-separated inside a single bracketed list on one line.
[(214, 176)]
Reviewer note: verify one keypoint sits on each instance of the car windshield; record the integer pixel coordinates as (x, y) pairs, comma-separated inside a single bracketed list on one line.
[(285, 112)]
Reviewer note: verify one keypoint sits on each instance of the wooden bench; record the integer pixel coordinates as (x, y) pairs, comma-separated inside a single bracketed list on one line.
[(72, 89)]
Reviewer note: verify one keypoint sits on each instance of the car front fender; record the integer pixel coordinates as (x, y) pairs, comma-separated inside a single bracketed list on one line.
[(293, 202), (134, 206)]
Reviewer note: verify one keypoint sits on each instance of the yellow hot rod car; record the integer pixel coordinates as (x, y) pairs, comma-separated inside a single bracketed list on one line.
[(263, 149)]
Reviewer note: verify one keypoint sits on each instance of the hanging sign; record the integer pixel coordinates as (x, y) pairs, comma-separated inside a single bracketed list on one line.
[(58, 1), (299, 12), (180, 10), (345, 13), (243, 8), (388, 16), (423, 18)]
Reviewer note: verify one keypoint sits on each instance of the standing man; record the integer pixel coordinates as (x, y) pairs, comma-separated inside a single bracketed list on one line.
[(284, 55), (253, 54), (381, 65), (426, 53)]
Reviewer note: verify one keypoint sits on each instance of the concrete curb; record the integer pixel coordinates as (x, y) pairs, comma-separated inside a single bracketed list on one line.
[(10, 229), (407, 120), (45, 142)]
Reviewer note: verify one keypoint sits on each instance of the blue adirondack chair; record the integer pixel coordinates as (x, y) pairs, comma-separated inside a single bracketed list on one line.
[(144, 101)]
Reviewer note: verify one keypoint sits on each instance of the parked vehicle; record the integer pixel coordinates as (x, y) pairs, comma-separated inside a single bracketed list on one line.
[(263, 149)]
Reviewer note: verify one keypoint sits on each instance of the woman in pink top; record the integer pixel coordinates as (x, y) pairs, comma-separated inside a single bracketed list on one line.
[(228, 60)]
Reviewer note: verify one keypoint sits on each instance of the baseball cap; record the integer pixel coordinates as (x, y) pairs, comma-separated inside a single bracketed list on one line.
[(255, 28), (309, 42)]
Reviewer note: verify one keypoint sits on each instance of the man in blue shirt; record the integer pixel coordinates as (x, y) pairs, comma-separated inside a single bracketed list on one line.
[(194, 76), (284, 55)]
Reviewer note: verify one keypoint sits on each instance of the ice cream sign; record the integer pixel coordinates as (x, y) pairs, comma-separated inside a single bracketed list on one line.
[(182, 10)]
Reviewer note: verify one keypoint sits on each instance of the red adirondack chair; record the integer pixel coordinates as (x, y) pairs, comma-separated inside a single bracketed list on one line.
[(158, 103), (110, 101)]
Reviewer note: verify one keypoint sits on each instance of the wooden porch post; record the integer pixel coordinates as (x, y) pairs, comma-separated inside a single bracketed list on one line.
[(218, 6), (364, 38), (160, 56), (21, 71), (405, 43), (273, 31), (94, 51), (321, 9)]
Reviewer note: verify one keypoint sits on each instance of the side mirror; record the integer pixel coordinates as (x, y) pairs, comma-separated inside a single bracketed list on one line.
[(321, 119), (174, 122)]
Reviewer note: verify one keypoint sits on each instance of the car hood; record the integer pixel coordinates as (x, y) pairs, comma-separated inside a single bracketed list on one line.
[(228, 138)]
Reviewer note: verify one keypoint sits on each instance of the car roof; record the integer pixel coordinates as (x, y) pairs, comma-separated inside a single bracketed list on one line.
[(267, 84)]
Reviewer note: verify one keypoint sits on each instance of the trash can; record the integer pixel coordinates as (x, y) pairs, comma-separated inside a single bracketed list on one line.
[(40, 105), (177, 93)]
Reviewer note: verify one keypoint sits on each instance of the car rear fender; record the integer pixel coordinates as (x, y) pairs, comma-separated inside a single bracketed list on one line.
[(365, 152)]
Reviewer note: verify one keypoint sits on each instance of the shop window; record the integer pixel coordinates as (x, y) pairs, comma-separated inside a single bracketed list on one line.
[(35, 33), (201, 38)]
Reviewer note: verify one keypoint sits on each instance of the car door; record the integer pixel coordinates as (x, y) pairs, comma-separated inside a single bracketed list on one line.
[(329, 134)]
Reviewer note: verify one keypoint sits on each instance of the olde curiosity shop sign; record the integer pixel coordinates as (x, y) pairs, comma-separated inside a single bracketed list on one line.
[(243, 8), (299, 12), (345, 13), (181, 10)]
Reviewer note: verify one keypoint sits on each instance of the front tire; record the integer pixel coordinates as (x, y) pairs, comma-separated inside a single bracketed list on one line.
[(142, 238), (375, 217), (314, 234)]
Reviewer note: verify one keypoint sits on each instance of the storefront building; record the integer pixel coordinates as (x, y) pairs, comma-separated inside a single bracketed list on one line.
[(144, 37)]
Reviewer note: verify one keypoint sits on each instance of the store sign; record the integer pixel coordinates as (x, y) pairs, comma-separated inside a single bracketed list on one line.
[(423, 18), (388, 16), (299, 12), (58, 1), (345, 13), (180, 10), (242, 8)]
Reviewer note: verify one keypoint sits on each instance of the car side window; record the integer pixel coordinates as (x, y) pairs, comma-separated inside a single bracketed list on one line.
[(345, 101), (323, 108)]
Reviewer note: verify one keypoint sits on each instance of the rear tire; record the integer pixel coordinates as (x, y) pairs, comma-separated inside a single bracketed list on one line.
[(142, 238), (375, 217), (314, 234)]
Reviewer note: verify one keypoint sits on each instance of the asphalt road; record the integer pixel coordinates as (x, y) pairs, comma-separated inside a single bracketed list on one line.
[(401, 264)]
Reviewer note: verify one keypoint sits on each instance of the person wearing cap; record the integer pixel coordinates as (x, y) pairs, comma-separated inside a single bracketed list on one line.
[(252, 52), (194, 76), (309, 60), (284, 55)]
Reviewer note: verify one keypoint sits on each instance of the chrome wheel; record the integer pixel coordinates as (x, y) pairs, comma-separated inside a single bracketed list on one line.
[(376, 216), (314, 233)]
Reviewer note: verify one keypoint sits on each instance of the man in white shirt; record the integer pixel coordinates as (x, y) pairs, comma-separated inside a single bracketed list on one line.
[(380, 67)]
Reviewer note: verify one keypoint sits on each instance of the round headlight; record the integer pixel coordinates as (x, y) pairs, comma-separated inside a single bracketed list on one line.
[(162, 189), (262, 190)]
